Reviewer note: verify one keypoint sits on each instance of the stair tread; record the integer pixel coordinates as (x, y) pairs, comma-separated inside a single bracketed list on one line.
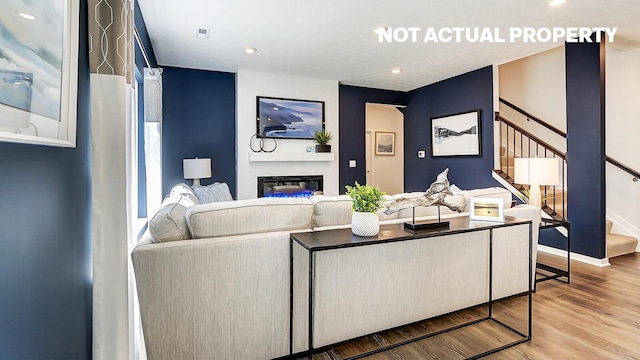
[(619, 239), (618, 245)]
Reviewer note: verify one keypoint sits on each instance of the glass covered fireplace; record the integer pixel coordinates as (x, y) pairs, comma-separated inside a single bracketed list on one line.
[(289, 186)]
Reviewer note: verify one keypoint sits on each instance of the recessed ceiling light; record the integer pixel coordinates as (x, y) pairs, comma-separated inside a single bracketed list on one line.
[(250, 50), (556, 2), (25, 15), (380, 29), (396, 71)]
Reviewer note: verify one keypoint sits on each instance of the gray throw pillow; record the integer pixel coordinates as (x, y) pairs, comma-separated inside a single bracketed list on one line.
[(213, 193)]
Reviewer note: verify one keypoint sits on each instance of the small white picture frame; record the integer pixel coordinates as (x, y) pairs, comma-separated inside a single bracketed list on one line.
[(486, 209)]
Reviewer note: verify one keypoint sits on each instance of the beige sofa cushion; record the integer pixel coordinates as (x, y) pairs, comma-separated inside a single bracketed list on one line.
[(336, 210), (331, 210), (249, 216), (170, 223)]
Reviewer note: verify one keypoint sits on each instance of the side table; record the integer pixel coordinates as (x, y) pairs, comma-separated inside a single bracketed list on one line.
[(548, 272)]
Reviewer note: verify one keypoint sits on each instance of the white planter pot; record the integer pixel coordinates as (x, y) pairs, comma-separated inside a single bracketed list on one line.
[(365, 223)]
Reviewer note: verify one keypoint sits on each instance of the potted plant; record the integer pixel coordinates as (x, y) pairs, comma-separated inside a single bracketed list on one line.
[(322, 138), (366, 200)]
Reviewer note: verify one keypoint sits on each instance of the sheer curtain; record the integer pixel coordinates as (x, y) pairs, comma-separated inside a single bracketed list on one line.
[(153, 137), (113, 206)]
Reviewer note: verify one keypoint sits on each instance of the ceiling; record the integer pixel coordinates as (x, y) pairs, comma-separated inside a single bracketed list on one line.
[(334, 39)]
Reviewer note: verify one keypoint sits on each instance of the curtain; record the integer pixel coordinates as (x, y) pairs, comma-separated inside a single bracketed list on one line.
[(153, 137), (153, 95), (111, 64)]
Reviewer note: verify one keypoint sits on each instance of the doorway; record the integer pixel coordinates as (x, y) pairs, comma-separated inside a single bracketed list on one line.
[(384, 142)]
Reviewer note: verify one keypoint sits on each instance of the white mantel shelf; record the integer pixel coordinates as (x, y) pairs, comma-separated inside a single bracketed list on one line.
[(276, 156)]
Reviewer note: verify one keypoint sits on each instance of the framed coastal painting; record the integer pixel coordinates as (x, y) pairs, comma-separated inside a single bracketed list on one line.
[(39, 71), (385, 143), (486, 209), (456, 135), (288, 118)]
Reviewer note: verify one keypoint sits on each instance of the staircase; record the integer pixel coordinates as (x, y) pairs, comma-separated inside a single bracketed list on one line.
[(618, 244), (517, 142)]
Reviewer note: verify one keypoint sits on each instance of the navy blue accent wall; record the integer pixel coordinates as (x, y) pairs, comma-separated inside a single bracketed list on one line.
[(586, 164), (146, 42), (352, 128), (45, 240), (470, 91), (198, 119)]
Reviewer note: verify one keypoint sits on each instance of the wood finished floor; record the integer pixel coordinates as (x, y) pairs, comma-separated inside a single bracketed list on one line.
[(597, 316)]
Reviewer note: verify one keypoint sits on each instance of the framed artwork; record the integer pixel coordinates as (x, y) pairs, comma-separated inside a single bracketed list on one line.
[(486, 209), (39, 72), (385, 143), (288, 118), (456, 135)]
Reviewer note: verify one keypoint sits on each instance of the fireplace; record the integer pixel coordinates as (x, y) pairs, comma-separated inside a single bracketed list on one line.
[(289, 186)]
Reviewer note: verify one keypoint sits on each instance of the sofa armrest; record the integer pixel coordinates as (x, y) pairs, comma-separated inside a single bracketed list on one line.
[(227, 296)]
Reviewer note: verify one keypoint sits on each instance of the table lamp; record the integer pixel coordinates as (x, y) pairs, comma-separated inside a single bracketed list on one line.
[(536, 172), (196, 169)]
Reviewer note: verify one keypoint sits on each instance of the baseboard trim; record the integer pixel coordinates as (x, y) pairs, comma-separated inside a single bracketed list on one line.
[(578, 257)]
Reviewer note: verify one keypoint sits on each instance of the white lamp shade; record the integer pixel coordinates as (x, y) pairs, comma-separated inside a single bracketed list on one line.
[(537, 171), (196, 168)]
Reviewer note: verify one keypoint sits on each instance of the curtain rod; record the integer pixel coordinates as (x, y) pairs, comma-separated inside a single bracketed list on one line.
[(142, 48)]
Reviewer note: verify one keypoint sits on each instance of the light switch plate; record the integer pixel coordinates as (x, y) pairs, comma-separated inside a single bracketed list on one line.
[(421, 154), (352, 163)]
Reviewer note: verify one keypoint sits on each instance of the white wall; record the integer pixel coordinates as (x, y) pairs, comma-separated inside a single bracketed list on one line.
[(622, 128), (251, 84), (388, 171), (537, 84)]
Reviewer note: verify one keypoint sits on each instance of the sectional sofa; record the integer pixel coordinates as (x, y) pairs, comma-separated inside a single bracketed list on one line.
[(213, 279)]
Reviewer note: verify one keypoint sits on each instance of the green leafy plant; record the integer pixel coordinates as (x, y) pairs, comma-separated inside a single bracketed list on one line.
[(366, 198), (322, 137)]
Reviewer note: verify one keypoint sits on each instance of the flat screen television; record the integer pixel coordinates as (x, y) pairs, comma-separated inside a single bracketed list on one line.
[(288, 118)]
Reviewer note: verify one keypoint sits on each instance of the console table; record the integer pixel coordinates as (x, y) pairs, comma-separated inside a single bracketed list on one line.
[(341, 246)]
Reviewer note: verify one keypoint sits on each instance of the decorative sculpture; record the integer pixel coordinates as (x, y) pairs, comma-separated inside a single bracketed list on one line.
[(434, 196)]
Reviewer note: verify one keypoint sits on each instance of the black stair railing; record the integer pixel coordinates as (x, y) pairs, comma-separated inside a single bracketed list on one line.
[(610, 160), (517, 142)]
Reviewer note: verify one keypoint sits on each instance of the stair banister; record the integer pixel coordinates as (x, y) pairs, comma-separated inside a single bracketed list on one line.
[(524, 132), (529, 116), (635, 174), (532, 117)]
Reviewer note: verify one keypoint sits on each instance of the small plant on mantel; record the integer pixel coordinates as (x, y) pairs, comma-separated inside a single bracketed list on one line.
[(322, 138)]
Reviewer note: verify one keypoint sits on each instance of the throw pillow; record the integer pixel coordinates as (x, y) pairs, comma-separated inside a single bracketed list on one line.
[(170, 222), (183, 189), (213, 193)]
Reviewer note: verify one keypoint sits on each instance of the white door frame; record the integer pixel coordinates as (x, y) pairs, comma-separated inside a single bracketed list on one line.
[(369, 169)]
